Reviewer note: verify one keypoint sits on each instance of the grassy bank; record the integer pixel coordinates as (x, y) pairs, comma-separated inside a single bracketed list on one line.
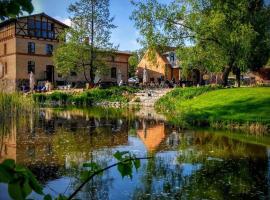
[(87, 98), (11, 104), (238, 108)]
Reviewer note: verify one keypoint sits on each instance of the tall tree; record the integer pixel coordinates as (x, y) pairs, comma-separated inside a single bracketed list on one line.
[(90, 32), (133, 62), (13, 8), (220, 31)]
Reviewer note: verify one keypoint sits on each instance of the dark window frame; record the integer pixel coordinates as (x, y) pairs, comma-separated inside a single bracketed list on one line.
[(31, 67), (31, 48), (49, 49), (5, 48), (6, 68), (113, 72), (41, 28)]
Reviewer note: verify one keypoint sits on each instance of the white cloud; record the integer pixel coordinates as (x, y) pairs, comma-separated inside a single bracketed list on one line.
[(66, 21)]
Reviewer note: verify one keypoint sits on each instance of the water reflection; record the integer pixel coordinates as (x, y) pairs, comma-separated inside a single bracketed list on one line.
[(187, 165)]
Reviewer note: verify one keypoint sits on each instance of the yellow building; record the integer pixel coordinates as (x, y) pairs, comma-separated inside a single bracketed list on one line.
[(159, 65)]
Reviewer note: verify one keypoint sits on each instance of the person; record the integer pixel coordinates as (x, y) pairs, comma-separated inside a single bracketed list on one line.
[(121, 82), (47, 86)]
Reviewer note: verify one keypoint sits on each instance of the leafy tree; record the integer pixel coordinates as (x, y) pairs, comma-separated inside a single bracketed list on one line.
[(90, 36), (222, 33), (133, 62), (12, 8)]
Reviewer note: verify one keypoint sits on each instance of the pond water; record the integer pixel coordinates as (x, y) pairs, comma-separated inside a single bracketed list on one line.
[(187, 164)]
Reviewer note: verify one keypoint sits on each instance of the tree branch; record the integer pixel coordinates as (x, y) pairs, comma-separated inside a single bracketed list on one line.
[(102, 170)]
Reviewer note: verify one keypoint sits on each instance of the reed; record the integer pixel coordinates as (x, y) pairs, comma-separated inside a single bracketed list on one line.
[(14, 103)]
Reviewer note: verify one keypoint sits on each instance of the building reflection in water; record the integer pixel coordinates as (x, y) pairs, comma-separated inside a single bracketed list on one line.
[(55, 144)]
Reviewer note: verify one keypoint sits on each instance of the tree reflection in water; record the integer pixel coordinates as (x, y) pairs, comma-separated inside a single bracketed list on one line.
[(187, 164)]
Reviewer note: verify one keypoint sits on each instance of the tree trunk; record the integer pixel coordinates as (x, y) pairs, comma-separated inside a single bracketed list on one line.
[(237, 73), (225, 75), (92, 74)]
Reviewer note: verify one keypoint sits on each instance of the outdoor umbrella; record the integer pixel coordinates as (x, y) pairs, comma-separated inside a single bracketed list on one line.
[(144, 76), (31, 81)]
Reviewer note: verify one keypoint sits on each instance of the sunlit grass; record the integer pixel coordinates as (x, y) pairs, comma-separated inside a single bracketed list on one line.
[(237, 108), (12, 104)]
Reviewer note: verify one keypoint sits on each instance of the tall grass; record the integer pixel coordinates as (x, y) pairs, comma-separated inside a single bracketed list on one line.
[(12, 104)]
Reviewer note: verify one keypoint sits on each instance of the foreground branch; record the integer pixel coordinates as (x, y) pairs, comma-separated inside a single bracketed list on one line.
[(102, 170)]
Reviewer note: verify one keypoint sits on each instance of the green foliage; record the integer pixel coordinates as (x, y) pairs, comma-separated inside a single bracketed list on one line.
[(89, 37), (13, 8), (113, 94), (14, 103), (133, 62), (228, 36), (127, 161), (91, 168), (21, 182)]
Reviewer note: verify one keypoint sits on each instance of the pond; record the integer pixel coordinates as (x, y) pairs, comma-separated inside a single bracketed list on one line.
[(187, 164)]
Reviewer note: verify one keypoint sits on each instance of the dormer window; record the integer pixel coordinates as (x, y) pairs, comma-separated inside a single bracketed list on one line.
[(172, 57)]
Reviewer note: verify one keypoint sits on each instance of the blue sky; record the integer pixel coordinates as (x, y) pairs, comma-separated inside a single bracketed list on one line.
[(125, 34)]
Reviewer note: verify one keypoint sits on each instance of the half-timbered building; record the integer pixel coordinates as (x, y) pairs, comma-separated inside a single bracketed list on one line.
[(27, 44)]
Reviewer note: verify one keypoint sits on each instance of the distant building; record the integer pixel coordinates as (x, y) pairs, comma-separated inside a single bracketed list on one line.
[(27, 44), (160, 65)]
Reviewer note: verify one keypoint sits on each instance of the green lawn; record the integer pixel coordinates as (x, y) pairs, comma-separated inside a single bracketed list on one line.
[(237, 105)]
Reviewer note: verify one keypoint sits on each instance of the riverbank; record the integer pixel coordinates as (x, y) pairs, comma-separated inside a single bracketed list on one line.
[(244, 109), (113, 95)]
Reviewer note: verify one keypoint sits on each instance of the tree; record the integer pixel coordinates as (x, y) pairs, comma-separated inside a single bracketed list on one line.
[(90, 36), (12, 8), (133, 62), (221, 31)]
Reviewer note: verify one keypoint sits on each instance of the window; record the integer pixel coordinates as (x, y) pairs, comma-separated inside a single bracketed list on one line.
[(41, 28), (113, 72), (49, 49), (72, 73), (31, 47), (172, 59), (5, 49), (31, 67), (6, 68), (60, 75)]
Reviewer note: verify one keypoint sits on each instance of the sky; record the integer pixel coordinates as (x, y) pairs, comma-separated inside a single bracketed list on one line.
[(125, 35)]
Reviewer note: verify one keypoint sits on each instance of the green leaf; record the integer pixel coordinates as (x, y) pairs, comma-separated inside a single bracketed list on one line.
[(91, 165), (84, 175), (61, 197), (5, 174), (137, 163), (26, 189), (19, 168), (47, 197), (34, 184), (15, 191), (9, 163), (125, 169), (119, 155)]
